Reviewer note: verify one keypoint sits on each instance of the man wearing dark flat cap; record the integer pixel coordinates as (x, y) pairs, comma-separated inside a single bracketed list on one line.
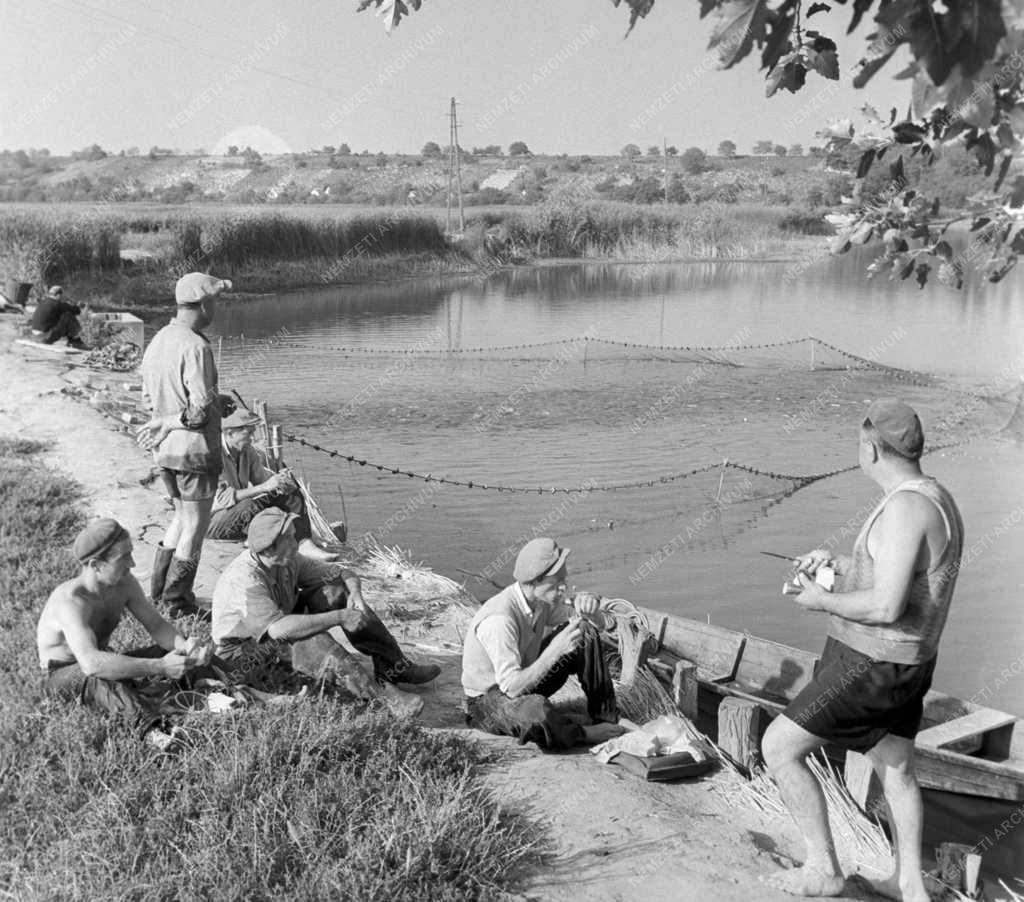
[(179, 379), (522, 646), (273, 603), (79, 618), (886, 613)]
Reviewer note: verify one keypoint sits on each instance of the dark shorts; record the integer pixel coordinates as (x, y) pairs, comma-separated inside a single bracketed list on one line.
[(186, 486), (854, 701)]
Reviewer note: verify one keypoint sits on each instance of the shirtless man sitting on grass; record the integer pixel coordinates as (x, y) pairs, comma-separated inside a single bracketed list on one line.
[(78, 620)]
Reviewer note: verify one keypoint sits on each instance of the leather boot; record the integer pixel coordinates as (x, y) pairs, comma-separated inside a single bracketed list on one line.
[(390, 665), (178, 596), (161, 561)]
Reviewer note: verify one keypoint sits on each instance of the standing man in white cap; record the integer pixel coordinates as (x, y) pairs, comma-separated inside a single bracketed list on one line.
[(522, 646), (886, 612), (179, 379)]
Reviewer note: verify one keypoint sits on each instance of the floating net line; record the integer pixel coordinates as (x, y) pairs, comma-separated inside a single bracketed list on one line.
[(798, 480), (642, 452)]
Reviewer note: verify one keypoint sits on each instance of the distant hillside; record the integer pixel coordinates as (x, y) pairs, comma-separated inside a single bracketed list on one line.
[(379, 179)]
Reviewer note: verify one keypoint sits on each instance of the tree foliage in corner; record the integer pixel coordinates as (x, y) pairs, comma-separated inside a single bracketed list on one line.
[(967, 76)]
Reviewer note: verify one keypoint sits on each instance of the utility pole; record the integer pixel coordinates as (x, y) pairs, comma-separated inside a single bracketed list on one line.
[(454, 169), (451, 158), (664, 154), (458, 165)]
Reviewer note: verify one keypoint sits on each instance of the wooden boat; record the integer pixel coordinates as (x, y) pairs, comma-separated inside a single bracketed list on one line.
[(962, 747)]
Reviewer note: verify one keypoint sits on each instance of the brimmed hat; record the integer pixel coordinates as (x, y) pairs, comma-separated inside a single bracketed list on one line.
[(899, 425), (537, 558), (240, 418), (266, 527), (54, 291), (197, 286), (97, 538)]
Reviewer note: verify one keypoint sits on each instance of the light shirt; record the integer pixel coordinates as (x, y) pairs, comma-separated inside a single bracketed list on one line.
[(240, 471), (249, 596), (179, 379), (504, 638)]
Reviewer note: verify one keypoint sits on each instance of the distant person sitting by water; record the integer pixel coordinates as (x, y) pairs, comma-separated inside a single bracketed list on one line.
[(247, 486), (272, 604), (55, 318), (78, 620), (887, 611), (522, 646)]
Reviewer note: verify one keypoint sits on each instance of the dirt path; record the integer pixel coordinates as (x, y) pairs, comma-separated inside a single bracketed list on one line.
[(616, 838)]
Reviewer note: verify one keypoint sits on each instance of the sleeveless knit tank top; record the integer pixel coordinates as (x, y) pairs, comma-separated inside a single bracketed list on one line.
[(914, 638)]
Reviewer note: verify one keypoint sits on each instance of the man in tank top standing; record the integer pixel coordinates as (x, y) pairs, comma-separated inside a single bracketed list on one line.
[(886, 614)]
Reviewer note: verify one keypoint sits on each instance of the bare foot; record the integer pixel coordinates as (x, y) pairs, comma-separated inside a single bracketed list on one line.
[(602, 732), (309, 548), (890, 888), (805, 881)]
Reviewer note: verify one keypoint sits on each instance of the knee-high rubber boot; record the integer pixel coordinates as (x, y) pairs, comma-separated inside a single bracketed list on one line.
[(178, 590), (161, 561), (390, 665)]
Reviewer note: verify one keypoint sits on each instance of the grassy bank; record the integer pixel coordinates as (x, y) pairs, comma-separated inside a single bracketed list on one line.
[(123, 257), (310, 802)]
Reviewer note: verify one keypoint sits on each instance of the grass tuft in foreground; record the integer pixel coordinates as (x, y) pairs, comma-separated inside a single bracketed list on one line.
[(313, 801)]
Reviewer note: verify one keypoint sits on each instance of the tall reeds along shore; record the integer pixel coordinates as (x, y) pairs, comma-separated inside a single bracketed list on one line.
[(128, 257)]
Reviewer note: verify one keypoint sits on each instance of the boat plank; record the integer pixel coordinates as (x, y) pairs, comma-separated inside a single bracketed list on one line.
[(714, 649), (984, 720), (780, 671)]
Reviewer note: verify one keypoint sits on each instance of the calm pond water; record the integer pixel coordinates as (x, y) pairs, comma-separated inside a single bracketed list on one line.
[(594, 414)]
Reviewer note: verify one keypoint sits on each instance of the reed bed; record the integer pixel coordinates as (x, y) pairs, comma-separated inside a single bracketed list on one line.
[(394, 561), (620, 232), (44, 248)]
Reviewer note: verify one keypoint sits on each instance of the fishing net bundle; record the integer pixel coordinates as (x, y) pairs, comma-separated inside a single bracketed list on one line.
[(640, 695)]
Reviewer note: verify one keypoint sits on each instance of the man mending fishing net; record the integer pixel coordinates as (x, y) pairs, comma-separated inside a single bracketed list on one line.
[(523, 645)]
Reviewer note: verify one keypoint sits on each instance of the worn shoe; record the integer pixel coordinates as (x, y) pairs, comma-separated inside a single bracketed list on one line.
[(415, 673)]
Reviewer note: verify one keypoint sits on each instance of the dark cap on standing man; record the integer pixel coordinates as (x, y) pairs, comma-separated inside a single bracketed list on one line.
[(898, 424)]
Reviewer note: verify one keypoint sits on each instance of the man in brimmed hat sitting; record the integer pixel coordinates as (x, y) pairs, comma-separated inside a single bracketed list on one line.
[(271, 603), (887, 611), (179, 379), (54, 319), (523, 645), (79, 618), (247, 486)]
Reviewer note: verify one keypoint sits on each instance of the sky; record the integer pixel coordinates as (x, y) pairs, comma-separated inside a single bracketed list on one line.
[(560, 76)]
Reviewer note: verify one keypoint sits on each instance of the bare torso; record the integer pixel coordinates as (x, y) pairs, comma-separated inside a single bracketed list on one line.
[(70, 602)]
